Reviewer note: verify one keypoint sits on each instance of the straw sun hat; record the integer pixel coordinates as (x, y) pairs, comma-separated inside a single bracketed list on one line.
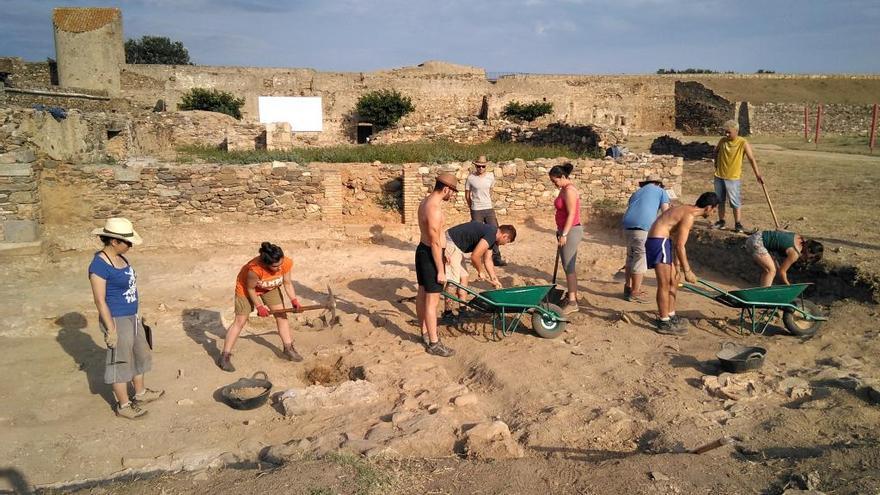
[(119, 228)]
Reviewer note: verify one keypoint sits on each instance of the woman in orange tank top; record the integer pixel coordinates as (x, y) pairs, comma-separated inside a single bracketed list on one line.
[(262, 283)]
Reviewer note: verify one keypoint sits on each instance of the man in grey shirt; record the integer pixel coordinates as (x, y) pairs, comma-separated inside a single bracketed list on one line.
[(478, 194)]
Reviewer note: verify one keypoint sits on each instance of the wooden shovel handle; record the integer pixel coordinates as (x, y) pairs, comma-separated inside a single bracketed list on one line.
[(770, 204), (310, 307)]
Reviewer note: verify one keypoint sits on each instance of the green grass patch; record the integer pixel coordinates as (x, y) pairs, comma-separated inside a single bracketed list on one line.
[(418, 152), (368, 478)]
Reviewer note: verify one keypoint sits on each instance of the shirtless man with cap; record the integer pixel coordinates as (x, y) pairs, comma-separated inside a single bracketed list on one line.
[(662, 258), (430, 257)]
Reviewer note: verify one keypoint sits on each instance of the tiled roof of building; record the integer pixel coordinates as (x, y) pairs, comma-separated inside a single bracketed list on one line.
[(81, 20)]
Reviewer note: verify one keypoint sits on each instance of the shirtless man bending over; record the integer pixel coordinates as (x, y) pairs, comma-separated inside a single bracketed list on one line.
[(662, 259), (430, 257)]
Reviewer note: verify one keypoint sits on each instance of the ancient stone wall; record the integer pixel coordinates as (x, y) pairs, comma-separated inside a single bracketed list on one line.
[(22, 74), (20, 208), (439, 91), (149, 189), (523, 187), (788, 118)]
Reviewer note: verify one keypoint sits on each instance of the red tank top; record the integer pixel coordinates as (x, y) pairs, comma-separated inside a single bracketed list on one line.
[(562, 211)]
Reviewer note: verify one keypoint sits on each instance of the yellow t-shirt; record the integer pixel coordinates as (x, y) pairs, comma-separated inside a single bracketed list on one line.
[(729, 163)]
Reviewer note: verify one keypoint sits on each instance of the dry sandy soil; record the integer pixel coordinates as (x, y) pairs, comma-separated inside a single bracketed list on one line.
[(596, 410)]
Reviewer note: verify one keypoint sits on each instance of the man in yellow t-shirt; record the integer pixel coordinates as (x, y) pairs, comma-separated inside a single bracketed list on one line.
[(728, 172)]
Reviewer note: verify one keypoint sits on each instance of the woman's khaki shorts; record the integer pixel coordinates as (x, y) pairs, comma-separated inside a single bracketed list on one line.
[(131, 356), (243, 305)]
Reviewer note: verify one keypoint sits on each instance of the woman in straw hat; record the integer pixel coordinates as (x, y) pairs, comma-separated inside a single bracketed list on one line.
[(114, 288)]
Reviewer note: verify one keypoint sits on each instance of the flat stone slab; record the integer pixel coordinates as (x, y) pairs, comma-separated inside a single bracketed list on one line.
[(16, 231), (16, 170)]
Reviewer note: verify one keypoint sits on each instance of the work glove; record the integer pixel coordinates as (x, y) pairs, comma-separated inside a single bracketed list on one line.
[(262, 311), (690, 276), (110, 338), (294, 303)]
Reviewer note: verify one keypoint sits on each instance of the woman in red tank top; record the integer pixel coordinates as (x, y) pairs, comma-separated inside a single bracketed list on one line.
[(569, 231)]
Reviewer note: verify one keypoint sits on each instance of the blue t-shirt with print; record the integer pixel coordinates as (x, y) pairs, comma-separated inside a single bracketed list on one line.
[(643, 206), (122, 294)]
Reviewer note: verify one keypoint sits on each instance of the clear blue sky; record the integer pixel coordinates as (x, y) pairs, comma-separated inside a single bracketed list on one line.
[(547, 36)]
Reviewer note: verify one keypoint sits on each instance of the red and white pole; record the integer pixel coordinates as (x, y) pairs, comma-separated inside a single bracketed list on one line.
[(873, 129), (818, 123)]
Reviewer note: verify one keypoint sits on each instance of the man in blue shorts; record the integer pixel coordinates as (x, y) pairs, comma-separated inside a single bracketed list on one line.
[(661, 257)]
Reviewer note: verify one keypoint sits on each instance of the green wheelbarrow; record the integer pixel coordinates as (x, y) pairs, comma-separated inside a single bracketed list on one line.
[(758, 306), (514, 302)]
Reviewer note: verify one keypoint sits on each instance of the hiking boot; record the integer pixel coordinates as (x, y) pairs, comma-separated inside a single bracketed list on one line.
[(466, 313), (718, 225), (570, 307), (148, 395), (738, 228), (291, 354), (447, 318), (499, 262), (224, 362), (130, 411), (668, 328), (438, 349)]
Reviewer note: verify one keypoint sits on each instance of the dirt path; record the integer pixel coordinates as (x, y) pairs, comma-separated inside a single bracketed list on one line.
[(608, 393)]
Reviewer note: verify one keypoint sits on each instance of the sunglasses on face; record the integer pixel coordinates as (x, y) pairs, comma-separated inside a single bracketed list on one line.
[(481, 166)]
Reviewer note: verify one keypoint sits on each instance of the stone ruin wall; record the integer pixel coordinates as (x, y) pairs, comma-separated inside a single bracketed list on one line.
[(788, 118), (640, 102)]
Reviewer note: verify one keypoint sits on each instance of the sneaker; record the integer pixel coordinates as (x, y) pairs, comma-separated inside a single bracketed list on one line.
[(291, 354), (464, 314), (438, 349), (635, 298), (679, 322), (130, 411), (148, 395), (426, 340), (738, 228), (668, 328), (499, 262), (627, 291), (224, 362), (718, 225), (447, 318), (570, 307)]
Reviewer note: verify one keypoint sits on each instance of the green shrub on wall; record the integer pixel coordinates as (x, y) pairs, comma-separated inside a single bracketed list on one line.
[(212, 101), (383, 107), (526, 112)]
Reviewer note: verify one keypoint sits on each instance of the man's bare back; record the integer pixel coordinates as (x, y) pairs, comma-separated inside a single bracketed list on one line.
[(680, 218)]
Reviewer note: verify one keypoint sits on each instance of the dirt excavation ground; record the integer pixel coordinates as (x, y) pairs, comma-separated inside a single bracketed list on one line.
[(608, 407)]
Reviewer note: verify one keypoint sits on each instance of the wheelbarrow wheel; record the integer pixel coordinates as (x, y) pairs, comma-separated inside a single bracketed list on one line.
[(546, 326), (797, 324)]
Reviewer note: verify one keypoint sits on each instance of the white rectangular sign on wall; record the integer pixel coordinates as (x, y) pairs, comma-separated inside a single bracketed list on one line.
[(304, 113)]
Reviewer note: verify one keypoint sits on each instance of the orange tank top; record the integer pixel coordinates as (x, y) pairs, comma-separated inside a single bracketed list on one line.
[(268, 280)]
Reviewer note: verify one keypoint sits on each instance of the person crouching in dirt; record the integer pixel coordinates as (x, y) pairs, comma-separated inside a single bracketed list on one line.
[(114, 289), (765, 246), (263, 283), (661, 257), (478, 239)]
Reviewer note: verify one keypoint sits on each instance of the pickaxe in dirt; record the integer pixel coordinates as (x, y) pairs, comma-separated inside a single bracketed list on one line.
[(329, 309)]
